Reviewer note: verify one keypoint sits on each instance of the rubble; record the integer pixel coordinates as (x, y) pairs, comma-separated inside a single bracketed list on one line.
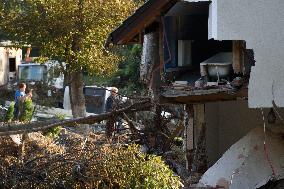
[(250, 163)]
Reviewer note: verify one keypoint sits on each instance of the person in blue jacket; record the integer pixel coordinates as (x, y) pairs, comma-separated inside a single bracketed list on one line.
[(20, 95)]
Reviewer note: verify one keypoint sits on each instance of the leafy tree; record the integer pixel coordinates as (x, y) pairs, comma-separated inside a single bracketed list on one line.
[(129, 72), (70, 31), (127, 77)]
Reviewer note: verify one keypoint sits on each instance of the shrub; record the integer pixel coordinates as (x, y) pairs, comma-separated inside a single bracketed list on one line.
[(54, 131), (26, 111), (10, 112), (130, 168), (96, 167)]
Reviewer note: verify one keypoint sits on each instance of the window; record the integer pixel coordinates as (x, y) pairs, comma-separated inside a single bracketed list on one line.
[(32, 72)]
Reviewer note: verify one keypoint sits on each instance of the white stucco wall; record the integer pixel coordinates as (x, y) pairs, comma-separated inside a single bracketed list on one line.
[(261, 24), (3, 66), (5, 54)]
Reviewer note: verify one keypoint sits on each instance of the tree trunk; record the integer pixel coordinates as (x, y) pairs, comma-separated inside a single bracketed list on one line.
[(76, 94), (150, 63), (77, 97)]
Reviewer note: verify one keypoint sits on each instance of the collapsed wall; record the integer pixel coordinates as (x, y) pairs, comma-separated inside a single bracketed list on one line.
[(248, 163)]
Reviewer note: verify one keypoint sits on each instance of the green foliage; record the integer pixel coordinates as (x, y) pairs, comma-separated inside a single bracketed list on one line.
[(55, 131), (71, 31), (52, 132), (128, 74), (130, 168), (26, 111), (94, 167), (10, 112), (117, 167)]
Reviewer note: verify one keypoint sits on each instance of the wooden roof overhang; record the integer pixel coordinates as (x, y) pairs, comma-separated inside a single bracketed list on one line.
[(131, 29)]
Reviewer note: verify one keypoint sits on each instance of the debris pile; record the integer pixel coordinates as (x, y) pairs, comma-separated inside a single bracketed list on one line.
[(71, 161)]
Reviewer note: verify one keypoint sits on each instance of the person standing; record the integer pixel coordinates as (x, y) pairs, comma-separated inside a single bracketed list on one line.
[(111, 105), (19, 96), (112, 100)]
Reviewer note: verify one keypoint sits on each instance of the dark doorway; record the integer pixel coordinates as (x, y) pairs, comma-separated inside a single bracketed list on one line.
[(12, 64)]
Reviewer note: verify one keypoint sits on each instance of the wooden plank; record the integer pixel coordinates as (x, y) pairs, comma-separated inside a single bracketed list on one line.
[(189, 135), (238, 56), (199, 120), (194, 99)]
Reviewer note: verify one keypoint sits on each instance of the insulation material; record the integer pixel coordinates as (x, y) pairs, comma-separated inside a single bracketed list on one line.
[(248, 163)]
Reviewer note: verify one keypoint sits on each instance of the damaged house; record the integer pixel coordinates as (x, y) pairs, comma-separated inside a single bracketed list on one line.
[(223, 59)]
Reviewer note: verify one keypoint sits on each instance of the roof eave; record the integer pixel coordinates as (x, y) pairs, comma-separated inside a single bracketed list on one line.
[(136, 23)]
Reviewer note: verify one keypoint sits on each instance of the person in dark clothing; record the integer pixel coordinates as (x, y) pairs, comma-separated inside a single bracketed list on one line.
[(111, 105), (112, 100)]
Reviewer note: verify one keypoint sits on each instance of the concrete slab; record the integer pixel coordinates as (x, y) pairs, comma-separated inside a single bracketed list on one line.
[(247, 164)]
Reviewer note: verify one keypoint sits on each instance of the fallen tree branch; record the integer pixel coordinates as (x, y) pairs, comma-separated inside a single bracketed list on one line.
[(39, 126), (133, 129)]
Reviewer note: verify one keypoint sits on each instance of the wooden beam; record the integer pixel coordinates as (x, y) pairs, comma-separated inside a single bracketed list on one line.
[(189, 135), (199, 120), (238, 57), (196, 99)]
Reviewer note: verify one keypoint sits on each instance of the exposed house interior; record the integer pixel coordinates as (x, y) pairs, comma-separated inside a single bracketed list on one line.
[(191, 64), (209, 69), (194, 62)]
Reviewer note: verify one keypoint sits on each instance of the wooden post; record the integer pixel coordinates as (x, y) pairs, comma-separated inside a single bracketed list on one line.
[(238, 57), (199, 163), (189, 134), (199, 121)]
